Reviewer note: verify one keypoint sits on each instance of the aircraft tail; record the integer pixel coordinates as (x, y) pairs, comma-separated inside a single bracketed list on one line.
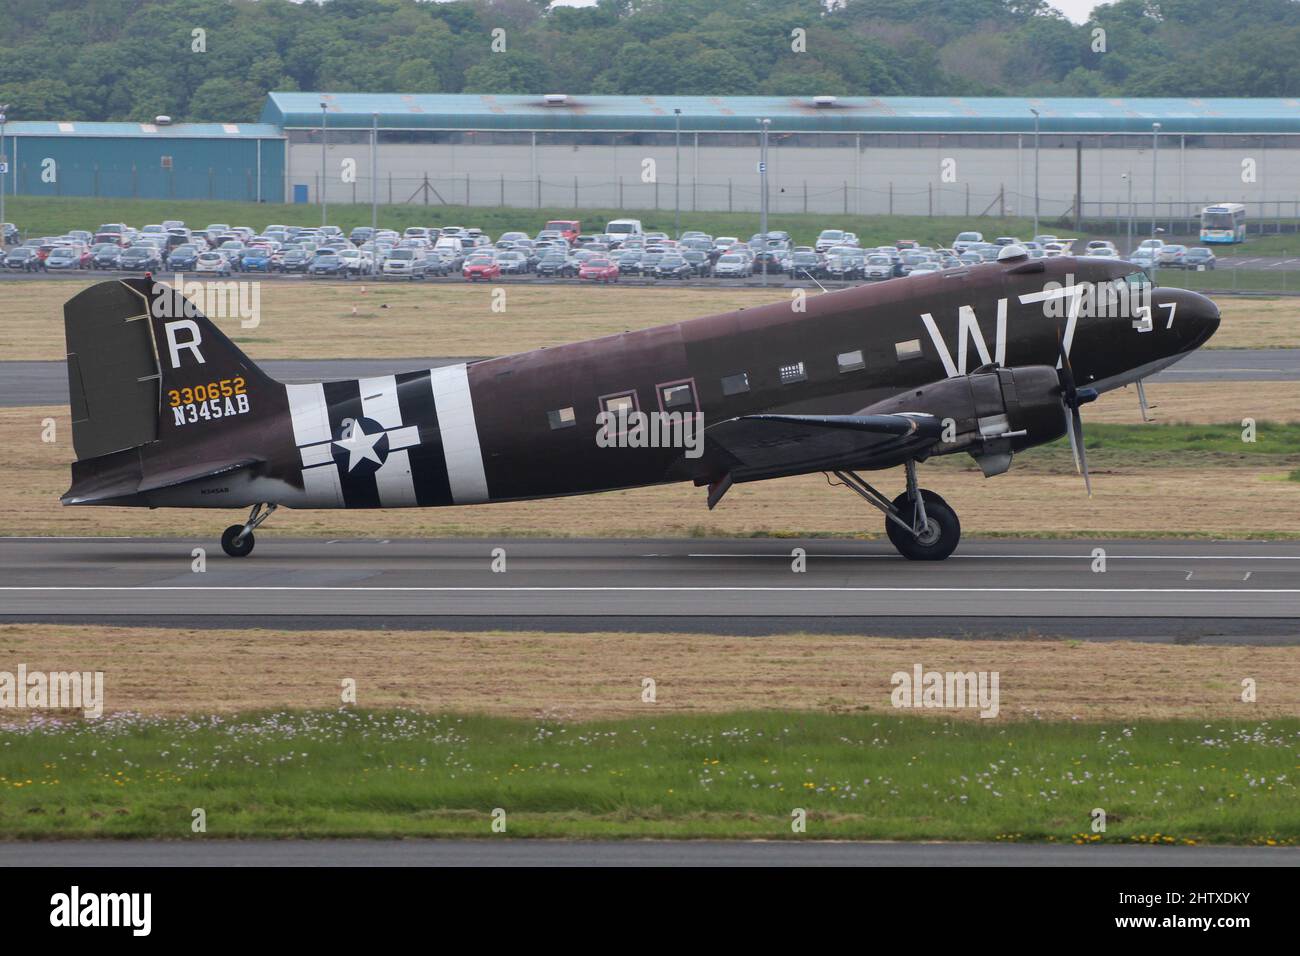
[(159, 395)]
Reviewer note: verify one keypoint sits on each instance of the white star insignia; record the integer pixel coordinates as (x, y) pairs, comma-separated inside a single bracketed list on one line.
[(360, 446)]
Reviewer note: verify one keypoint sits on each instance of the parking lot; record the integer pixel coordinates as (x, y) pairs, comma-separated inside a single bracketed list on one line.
[(561, 251)]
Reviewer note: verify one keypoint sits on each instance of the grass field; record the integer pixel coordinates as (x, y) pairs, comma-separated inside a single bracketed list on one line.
[(739, 774), (1148, 480), (169, 671), (402, 320)]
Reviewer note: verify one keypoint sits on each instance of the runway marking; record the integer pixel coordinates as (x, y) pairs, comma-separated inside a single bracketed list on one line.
[(505, 588), (1029, 557)]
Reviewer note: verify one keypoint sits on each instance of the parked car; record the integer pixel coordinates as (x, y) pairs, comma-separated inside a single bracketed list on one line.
[(828, 238), (567, 228), (183, 258), (733, 265), (213, 262), (556, 265), (673, 266), (842, 268), (355, 262), (1199, 257), (408, 263), (8, 233), (478, 267), (255, 259), (512, 262), (1171, 257), (139, 259), (325, 264), (599, 269), (24, 258), (294, 260), (62, 258), (699, 261)]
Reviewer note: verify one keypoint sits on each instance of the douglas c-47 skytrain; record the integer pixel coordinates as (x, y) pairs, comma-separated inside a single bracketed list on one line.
[(168, 413)]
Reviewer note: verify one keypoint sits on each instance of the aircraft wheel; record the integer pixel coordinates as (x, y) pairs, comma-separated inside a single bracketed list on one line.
[(244, 547), (941, 537)]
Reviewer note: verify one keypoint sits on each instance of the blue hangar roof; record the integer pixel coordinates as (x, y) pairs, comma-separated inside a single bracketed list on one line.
[(832, 114), (73, 128)]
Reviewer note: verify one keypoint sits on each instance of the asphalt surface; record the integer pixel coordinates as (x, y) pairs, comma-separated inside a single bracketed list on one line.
[(507, 852), (46, 383), (1223, 592)]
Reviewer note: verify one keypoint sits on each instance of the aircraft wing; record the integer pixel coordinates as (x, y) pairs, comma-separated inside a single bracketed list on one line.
[(754, 447)]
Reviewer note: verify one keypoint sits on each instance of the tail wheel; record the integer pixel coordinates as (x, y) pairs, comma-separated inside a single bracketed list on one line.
[(236, 550), (943, 529)]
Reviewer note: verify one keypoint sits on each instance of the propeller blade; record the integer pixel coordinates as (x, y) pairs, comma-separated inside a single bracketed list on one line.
[(1074, 444), (1081, 457)]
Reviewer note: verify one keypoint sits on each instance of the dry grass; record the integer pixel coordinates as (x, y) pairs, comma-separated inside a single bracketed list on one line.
[(1234, 499), (589, 676), (406, 320)]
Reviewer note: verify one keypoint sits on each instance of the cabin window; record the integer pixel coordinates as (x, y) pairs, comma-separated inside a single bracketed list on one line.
[(736, 384), (620, 403), (562, 417), (850, 361), (911, 349), (794, 372), (679, 395)]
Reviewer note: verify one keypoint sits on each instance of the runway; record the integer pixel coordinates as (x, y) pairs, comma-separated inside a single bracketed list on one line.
[(507, 852), (46, 382), (1175, 590)]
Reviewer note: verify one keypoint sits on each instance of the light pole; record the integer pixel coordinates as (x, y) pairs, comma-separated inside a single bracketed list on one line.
[(1035, 112), (677, 173), (324, 125), (374, 173), (1155, 155), (4, 162), (1129, 178), (762, 186)]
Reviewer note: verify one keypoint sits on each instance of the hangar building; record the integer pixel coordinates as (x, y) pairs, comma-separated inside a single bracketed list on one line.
[(902, 155), (907, 155), (243, 161)]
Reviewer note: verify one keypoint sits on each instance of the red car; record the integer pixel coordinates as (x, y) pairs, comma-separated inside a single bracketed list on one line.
[(599, 270), (480, 267)]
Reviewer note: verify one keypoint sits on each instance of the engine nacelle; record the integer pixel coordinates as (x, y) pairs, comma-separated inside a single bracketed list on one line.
[(994, 412)]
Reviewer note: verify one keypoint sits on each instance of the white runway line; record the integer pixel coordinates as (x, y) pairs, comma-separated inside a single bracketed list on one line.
[(1026, 557), (147, 588)]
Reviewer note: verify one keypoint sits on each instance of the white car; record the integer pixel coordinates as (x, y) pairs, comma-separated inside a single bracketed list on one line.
[(828, 238), (212, 262), (966, 239)]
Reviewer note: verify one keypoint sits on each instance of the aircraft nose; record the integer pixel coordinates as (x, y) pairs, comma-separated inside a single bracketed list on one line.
[(1196, 317)]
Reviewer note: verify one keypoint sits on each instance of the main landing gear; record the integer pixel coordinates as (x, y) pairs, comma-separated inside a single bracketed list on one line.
[(920, 524), (237, 540)]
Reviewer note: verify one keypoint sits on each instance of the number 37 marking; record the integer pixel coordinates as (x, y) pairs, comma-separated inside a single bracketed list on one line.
[(1144, 324)]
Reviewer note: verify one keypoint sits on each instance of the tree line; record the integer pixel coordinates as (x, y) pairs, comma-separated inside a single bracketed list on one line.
[(215, 60)]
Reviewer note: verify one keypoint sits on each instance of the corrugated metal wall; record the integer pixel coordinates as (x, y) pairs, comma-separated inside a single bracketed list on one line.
[(149, 168)]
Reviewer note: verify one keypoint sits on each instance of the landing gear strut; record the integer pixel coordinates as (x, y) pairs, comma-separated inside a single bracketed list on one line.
[(920, 524), (237, 540)]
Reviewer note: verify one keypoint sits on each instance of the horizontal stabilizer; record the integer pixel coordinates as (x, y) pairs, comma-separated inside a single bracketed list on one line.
[(120, 476)]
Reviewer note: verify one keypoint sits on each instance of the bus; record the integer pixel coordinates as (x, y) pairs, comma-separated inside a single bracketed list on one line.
[(1225, 222)]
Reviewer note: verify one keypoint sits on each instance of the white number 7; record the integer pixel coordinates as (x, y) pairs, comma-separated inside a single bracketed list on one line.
[(1172, 307)]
